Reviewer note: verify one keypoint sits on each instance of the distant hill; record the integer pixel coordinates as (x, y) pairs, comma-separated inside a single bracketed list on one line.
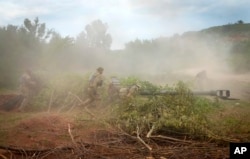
[(230, 39), (238, 36), (233, 32), (229, 28), (229, 32)]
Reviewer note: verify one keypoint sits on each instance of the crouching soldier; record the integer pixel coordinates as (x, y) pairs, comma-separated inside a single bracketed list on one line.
[(129, 92), (116, 91)]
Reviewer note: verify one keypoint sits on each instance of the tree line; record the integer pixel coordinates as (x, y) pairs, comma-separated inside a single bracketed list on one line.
[(33, 45)]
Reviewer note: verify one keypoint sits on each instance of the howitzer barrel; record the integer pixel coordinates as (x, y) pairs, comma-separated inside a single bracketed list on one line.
[(219, 93)]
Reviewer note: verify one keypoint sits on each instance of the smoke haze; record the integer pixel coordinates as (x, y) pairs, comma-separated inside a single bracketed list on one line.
[(178, 58)]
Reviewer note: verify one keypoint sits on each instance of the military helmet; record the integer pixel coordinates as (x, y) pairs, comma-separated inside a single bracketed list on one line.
[(100, 69)]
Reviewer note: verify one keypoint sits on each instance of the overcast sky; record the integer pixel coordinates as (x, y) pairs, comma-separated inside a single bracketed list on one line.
[(126, 19)]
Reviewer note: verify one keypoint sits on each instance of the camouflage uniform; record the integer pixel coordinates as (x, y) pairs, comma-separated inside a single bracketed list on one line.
[(27, 87), (115, 91), (129, 92), (95, 81)]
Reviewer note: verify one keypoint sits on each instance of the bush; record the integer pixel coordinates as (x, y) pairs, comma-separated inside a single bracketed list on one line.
[(183, 112), (56, 92)]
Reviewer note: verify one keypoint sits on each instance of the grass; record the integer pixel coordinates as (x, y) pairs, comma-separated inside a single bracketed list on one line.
[(200, 117), (232, 120)]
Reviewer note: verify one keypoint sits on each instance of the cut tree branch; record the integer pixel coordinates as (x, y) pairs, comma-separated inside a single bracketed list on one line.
[(150, 131), (85, 108), (139, 138)]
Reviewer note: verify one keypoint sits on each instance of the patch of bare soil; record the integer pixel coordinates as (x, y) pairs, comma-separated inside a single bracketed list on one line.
[(10, 101), (41, 131)]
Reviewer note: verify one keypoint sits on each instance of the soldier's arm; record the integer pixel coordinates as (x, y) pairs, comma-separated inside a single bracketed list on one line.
[(132, 91)]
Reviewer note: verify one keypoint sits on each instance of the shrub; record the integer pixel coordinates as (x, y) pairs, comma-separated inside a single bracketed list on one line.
[(56, 92), (182, 112)]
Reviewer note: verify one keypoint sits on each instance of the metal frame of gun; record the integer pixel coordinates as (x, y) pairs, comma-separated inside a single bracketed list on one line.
[(223, 94)]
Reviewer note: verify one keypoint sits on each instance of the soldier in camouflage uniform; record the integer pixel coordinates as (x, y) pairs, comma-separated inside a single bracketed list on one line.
[(116, 91), (95, 81), (28, 86), (129, 92)]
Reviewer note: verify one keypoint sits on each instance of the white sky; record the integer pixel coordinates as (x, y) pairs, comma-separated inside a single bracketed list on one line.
[(126, 19)]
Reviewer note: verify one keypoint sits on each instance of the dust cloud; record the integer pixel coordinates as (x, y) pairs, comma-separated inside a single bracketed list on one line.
[(178, 58), (187, 57)]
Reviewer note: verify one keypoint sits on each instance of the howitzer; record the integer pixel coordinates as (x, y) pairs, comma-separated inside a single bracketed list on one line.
[(223, 94)]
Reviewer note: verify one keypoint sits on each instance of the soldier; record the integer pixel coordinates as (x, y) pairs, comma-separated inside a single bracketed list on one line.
[(116, 91), (129, 92), (28, 86), (113, 88), (95, 81)]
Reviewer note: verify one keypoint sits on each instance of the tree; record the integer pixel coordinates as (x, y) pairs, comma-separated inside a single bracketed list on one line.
[(20, 48), (9, 47), (141, 46), (36, 30), (60, 42), (97, 35), (240, 22), (81, 40)]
